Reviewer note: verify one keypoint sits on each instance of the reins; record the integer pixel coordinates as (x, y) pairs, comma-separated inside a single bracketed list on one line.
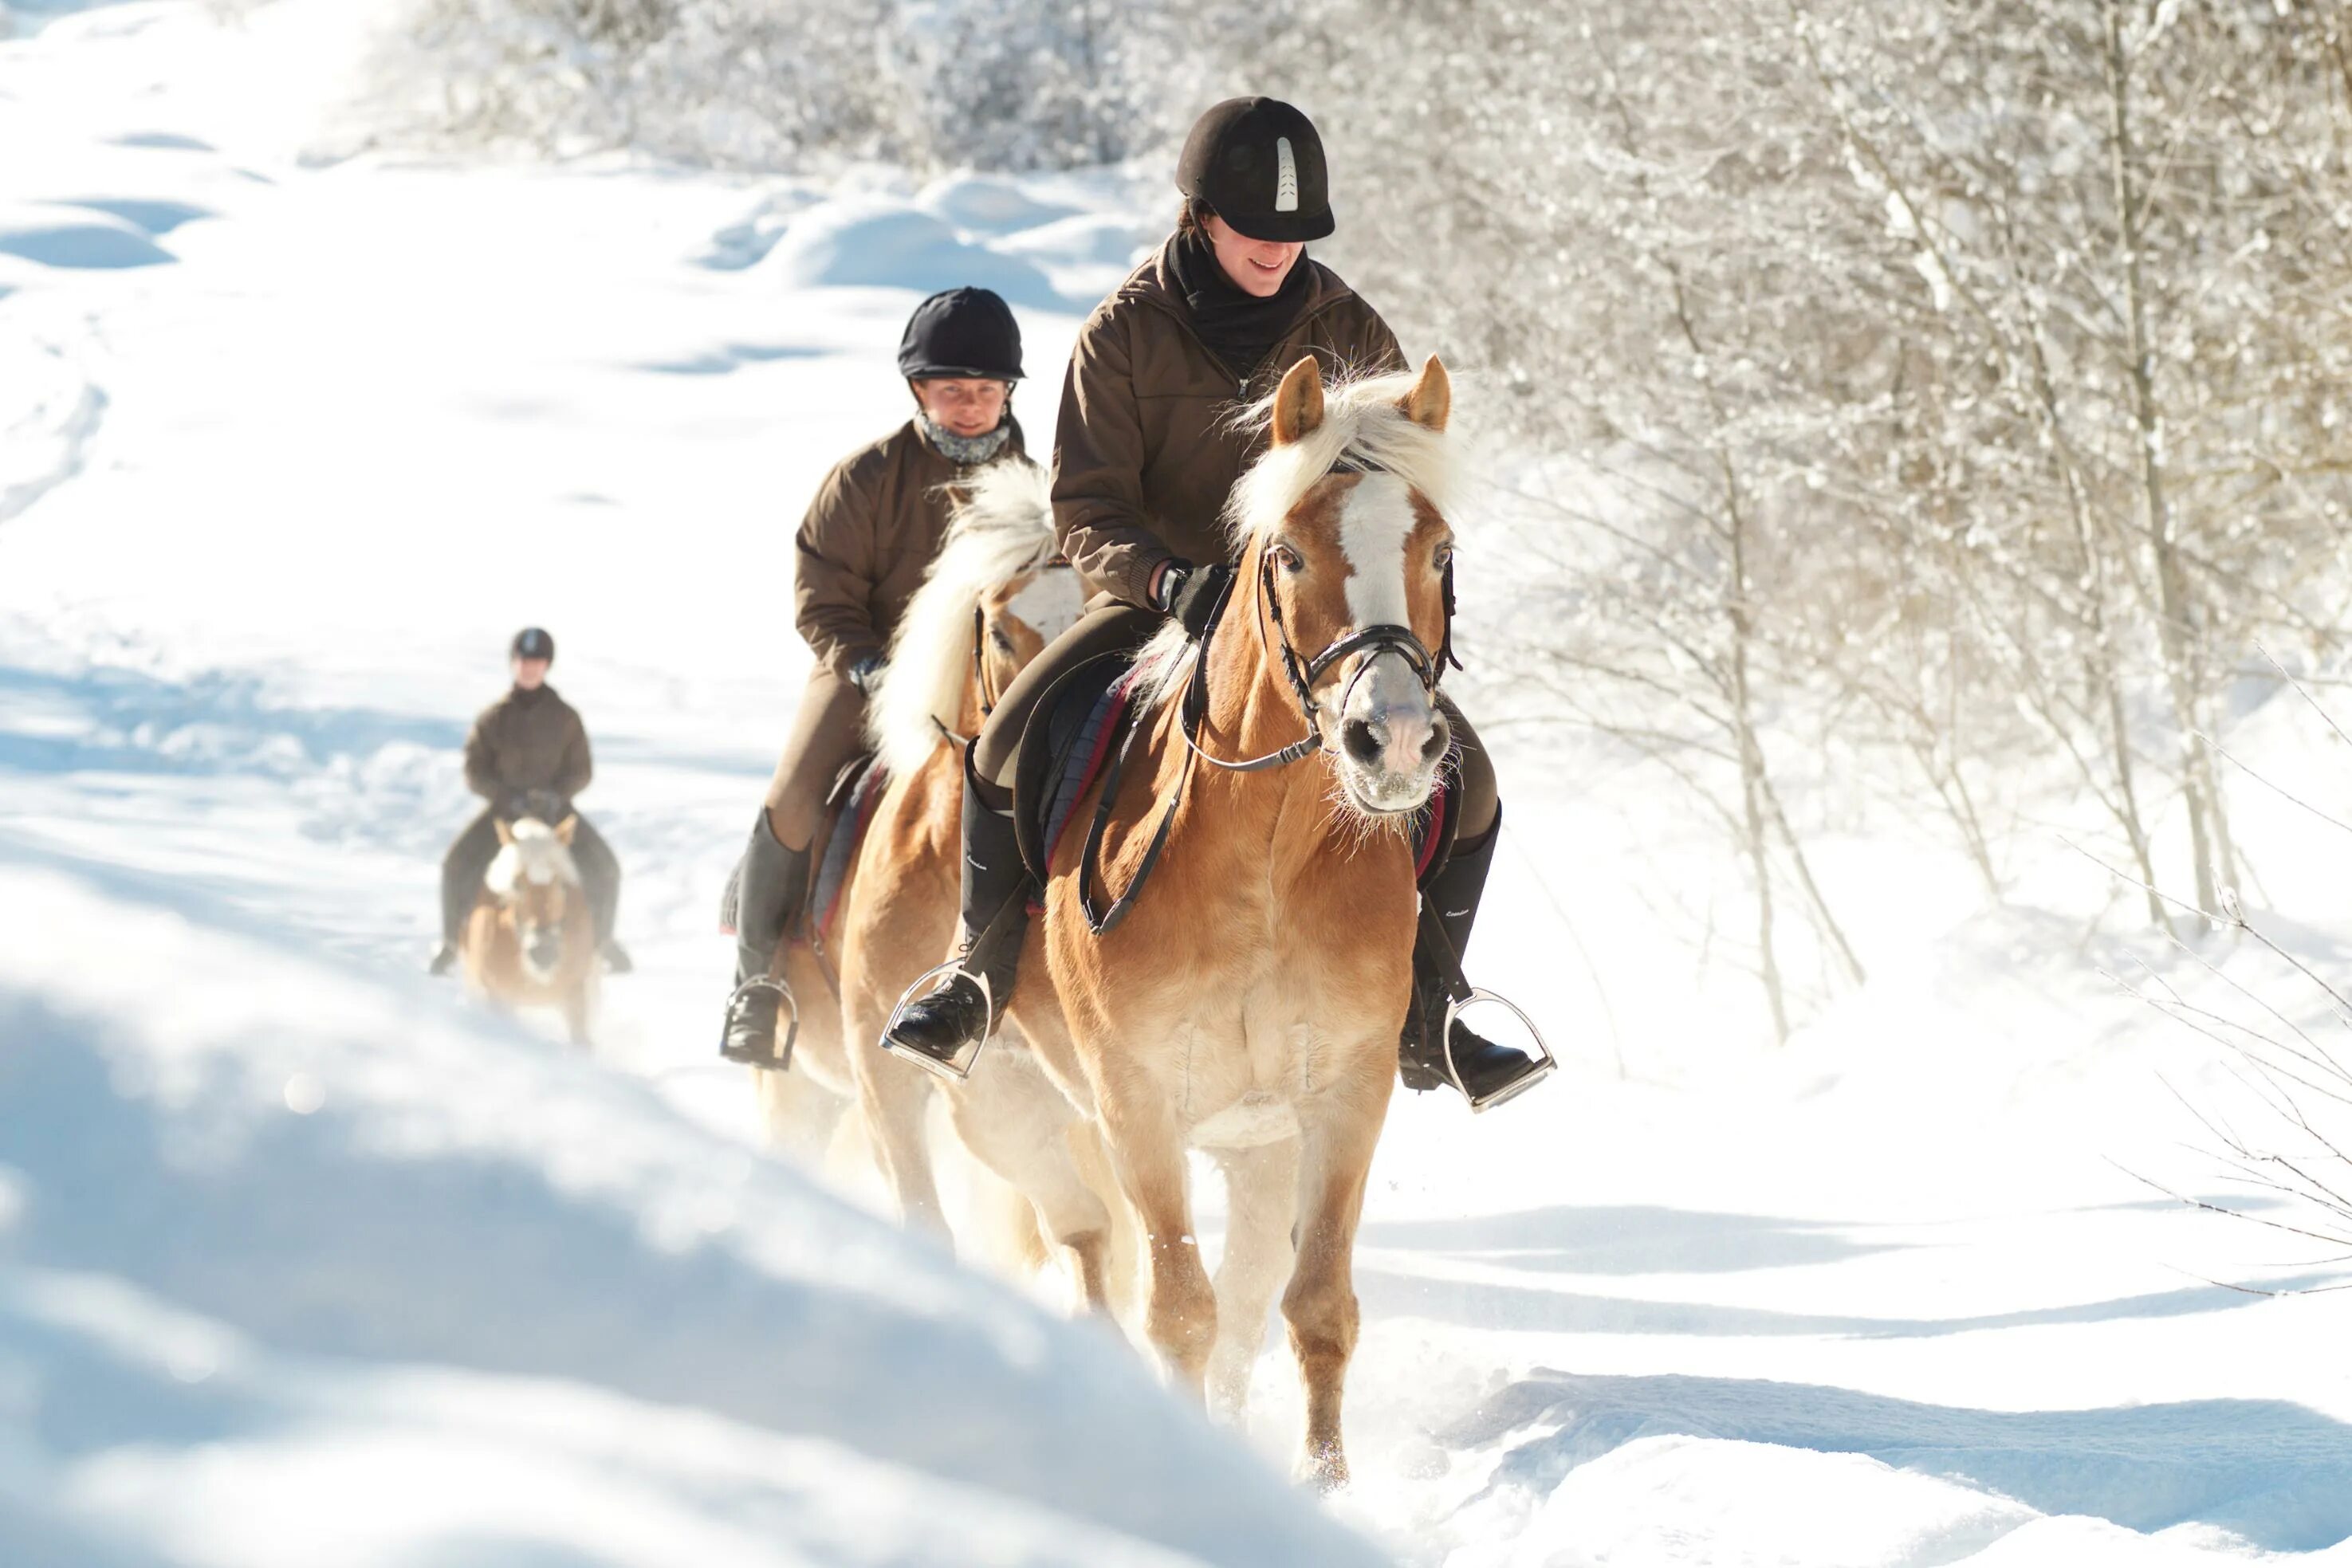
[(1193, 713), (980, 679)]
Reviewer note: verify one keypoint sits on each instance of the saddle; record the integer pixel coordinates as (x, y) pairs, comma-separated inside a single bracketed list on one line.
[(849, 805), (849, 812), (1064, 748), (1078, 727)]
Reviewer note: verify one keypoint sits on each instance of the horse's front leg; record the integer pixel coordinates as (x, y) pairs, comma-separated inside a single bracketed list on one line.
[(580, 1014), (1339, 1130), (1261, 1202), (1019, 1127), (897, 1101), (1146, 1151)]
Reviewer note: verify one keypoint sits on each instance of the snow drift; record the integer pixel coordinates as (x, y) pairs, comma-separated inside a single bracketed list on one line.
[(296, 1267)]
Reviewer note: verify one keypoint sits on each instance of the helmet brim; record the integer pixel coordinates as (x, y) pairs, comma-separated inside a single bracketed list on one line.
[(1281, 228), (957, 373)]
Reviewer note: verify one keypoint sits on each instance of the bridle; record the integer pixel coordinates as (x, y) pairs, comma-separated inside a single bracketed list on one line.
[(1428, 667)]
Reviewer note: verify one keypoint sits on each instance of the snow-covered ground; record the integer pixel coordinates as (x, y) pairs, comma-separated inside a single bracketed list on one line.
[(301, 1263)]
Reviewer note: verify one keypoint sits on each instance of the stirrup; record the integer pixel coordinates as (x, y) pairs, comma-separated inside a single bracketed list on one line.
[(1455, 1008), (779, 1057), (954, 1069)]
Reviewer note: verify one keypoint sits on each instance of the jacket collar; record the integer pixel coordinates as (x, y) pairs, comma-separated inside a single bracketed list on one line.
[(1150, 283)]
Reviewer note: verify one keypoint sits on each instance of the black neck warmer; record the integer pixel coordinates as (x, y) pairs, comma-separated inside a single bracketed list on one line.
[(1240, 327)]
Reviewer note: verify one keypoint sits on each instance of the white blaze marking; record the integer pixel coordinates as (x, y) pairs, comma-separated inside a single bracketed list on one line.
[(1050, 602), (1374, 525), (1285, 178)]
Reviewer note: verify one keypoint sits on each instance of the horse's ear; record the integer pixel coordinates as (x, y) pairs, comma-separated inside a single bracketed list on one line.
[(1430, 401), (566, 828), (506, 834), (1298, 402)]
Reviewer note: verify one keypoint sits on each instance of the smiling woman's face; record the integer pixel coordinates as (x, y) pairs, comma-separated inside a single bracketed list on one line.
[(1256, 266), (966, 406)]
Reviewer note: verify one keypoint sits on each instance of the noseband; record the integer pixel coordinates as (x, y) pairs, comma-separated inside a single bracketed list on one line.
[(1373, 640), (1428, 668)]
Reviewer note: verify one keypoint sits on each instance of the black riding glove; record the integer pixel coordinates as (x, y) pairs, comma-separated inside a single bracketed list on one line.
[(544, 804), (1189, 594)]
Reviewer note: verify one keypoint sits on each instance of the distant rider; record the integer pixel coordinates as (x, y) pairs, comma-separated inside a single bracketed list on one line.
[(862, 551), (527, 755), (1143, 458)]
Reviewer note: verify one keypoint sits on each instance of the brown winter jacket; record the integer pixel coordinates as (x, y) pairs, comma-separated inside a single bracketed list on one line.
[(1146, 452), (527, 741), (868, 536)]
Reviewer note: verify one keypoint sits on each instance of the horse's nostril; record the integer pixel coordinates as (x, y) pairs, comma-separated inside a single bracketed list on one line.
[(1440, 737), (1362, 740)]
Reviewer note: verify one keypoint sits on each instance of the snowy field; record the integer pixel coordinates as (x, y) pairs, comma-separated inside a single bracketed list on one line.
[(302, 1263)]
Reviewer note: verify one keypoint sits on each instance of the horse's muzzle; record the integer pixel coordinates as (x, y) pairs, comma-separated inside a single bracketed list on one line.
[(1392, 738)]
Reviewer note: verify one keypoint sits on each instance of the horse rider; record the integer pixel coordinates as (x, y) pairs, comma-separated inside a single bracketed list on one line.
[(1145, 454), (527, 755), (863, 549)]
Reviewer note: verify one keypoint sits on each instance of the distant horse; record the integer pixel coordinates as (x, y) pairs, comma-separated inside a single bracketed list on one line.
[(995, 594), (1225, 962), (530, 940)]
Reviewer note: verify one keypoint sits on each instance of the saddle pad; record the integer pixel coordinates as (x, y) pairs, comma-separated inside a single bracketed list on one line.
[(1089, 750), (1064, 728), (855, 795)]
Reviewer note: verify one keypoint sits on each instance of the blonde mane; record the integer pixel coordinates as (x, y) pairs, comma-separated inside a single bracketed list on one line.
[(535, 855), (1002, 526), (1364, 423)]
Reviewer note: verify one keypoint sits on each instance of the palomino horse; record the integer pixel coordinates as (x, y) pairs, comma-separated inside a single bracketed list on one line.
[(994, 595), (1248, 998), (903, 901), (530, 940)]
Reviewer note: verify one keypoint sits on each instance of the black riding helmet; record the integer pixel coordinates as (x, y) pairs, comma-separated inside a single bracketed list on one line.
[(532, 643), (962, 332), (1258, 164)]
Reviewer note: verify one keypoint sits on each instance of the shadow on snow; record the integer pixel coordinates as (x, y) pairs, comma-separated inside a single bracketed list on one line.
[(2276, 1473)]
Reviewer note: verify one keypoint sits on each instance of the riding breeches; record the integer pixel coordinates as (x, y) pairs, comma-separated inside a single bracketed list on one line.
[(1123, 628), (470, 857), (828, 733)]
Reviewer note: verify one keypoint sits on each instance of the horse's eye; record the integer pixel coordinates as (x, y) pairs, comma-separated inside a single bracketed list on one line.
[(1003, 643), (1286, 559), (1444, 557)]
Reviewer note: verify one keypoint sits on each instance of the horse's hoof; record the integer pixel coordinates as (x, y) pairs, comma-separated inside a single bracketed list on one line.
[(1326, 1469)]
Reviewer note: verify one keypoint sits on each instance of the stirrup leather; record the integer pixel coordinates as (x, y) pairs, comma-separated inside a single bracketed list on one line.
[(1542, 1068), (781, 1056), (929, 983)]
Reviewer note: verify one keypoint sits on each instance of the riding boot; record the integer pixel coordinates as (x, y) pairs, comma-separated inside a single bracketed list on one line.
[(772, 882), (1487, 1073), (948, 1026)]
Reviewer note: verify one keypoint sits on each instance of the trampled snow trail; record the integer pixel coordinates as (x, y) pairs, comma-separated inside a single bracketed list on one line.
[(294, 440)]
